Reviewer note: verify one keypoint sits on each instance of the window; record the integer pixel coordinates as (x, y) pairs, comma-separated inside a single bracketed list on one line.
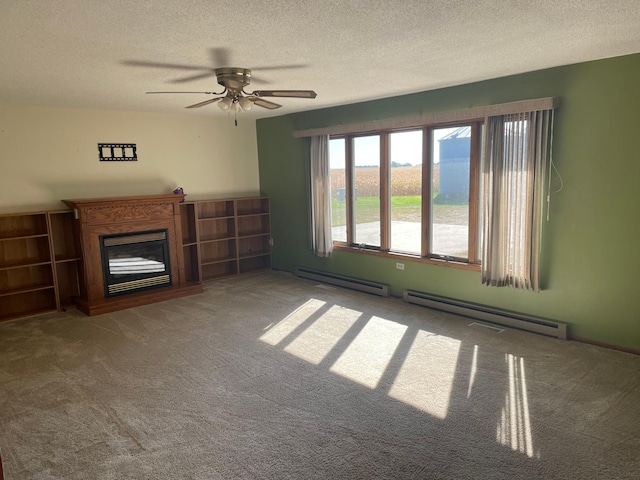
[(366, 196), (411, 192), (405, 153), (448, 188)]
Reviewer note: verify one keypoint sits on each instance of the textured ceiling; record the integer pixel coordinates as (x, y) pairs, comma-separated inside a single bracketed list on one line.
[(89, 53)]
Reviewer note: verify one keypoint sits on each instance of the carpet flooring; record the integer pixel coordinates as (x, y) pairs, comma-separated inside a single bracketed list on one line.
[(273, 377)]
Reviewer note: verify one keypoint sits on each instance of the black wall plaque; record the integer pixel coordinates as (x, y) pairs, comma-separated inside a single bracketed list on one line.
[(117, 152)]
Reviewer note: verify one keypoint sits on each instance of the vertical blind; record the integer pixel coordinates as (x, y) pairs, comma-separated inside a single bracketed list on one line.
[(321, 241), (516, 152)]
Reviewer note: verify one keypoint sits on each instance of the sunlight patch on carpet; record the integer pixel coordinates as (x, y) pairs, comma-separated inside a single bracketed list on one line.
[(314, 343), (367, 357), (474, 369), (287, 325), (426, 377), (514, 426)]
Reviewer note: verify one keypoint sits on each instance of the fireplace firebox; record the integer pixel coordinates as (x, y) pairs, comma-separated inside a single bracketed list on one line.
[(135, 261)]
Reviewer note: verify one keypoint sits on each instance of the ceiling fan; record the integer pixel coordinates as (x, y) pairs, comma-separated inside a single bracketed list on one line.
[(234, 97)]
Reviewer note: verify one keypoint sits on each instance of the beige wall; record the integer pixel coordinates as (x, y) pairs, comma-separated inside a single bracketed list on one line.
[(49, 154)]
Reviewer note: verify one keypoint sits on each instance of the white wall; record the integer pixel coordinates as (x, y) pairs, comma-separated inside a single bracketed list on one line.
[(50, 154)]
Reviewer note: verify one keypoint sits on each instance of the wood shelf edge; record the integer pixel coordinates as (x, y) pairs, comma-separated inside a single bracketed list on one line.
[(27, 313), (112, 304)]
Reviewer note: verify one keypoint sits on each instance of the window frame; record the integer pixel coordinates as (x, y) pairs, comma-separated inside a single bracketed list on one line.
[(384, 250)]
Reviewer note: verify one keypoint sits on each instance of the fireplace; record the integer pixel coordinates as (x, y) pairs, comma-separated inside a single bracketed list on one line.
[(131, 250), (135, 261)]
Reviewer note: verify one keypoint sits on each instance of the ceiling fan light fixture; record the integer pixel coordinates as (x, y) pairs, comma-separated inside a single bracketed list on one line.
[(245, 103), (225, 103)]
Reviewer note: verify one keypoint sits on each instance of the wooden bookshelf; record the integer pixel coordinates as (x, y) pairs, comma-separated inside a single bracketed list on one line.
[(66, 257), (39, 263), (225, 237), (42, 268)]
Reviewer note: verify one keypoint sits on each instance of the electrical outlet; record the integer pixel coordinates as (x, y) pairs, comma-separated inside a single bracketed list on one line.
[(400, 266)]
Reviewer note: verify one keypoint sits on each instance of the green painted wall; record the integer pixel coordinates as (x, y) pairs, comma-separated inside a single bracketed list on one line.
[(591, 246)]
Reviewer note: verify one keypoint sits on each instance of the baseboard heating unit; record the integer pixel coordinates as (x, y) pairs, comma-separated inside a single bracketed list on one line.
[(479, 312), (374, 288)]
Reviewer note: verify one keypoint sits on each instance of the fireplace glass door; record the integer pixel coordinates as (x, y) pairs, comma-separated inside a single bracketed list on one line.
[(135, 261)]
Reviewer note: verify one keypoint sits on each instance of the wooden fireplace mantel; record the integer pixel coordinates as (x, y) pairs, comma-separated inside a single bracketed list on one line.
[(131, 200), (107, 216)]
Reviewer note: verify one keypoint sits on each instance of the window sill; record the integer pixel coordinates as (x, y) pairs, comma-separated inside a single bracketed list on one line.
[(407, 257)]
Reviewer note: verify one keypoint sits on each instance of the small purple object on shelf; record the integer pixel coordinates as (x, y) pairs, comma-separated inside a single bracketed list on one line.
[(179, 191)]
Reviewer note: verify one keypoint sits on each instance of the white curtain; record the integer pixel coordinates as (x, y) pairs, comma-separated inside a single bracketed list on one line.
[(321, 241), (516, 150)]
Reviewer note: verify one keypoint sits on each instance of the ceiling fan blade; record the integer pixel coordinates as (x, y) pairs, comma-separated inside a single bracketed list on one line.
[(285, 93), (194, 77), (264, 103), (259, 79), (282, 67), (136, 63), (201, 93), (219, 57), (206, 102)]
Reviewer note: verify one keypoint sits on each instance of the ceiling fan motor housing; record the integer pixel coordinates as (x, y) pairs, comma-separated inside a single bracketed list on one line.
[(233, 79)]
